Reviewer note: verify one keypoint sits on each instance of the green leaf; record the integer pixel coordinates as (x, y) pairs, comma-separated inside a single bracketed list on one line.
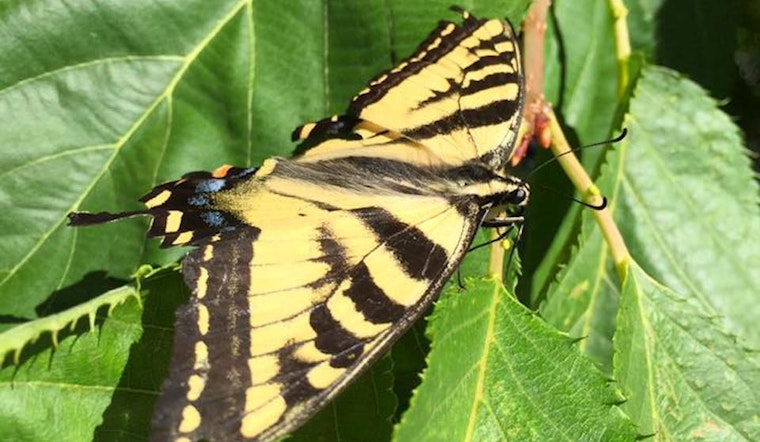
[(52, 395), (101, 102), (584, 298), (580, 77), (688, 201), (13, 341), (684, 376), (98, 384), (642, 23), (498, 372)]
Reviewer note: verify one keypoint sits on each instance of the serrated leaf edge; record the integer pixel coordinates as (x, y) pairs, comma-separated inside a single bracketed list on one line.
[(16, 339)]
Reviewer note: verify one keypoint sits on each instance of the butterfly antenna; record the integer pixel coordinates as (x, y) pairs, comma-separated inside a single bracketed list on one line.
[(597, 207), (601, 143)]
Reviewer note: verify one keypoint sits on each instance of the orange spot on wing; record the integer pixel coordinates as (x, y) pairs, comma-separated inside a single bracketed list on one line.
[(221, 172)]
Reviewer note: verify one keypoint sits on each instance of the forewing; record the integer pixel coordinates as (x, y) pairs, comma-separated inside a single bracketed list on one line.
[(287, 311)]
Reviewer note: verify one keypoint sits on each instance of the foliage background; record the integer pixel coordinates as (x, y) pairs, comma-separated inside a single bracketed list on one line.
[(100, 101)]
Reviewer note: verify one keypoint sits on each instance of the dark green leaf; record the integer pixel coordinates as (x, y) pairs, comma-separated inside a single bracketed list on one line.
[(686, 202), (698, 38), (61, 393)]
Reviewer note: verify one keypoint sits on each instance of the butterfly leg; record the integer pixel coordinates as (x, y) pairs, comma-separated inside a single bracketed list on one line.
[(503, 222)]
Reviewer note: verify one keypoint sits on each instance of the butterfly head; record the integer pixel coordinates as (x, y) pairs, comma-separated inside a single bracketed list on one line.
[(489, 187), (514, 196)]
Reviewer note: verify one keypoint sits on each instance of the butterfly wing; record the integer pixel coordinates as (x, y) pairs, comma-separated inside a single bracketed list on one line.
[(289, 305), (459, 96)]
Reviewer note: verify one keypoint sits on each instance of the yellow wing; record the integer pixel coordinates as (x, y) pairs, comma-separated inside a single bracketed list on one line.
[(458, 98), (308, 285)]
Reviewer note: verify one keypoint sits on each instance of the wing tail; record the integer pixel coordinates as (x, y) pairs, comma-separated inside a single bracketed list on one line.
[(78, 219), (183, 211)]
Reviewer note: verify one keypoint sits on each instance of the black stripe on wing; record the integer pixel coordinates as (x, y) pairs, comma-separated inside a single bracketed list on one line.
[(205, 392), (439, 43), (419, 257)]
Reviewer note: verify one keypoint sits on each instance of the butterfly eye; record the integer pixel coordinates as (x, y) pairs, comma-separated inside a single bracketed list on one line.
[(518, 196)]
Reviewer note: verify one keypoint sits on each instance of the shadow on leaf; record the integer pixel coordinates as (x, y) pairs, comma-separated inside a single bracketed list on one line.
[(91, 286), (128, 416)]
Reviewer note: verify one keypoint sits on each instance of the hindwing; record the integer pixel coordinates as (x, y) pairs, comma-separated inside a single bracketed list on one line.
[(285, 313)]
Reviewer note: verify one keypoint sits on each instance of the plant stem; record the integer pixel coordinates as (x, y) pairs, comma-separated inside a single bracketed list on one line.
[(622, 44), (589, 194), (534, 122), (534, 31), (539, 118)]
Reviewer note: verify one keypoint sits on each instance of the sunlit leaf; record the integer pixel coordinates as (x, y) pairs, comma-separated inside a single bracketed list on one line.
[(498, 372), (684, 376)]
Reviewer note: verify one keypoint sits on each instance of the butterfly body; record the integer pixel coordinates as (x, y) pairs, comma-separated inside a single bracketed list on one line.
[(306, 269)]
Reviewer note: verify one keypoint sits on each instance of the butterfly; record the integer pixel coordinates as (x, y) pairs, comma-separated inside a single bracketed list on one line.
[(306, 270)]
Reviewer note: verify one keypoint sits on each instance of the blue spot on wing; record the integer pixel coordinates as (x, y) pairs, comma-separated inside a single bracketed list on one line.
[(214, 219), (210, 186), (198, 200)]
